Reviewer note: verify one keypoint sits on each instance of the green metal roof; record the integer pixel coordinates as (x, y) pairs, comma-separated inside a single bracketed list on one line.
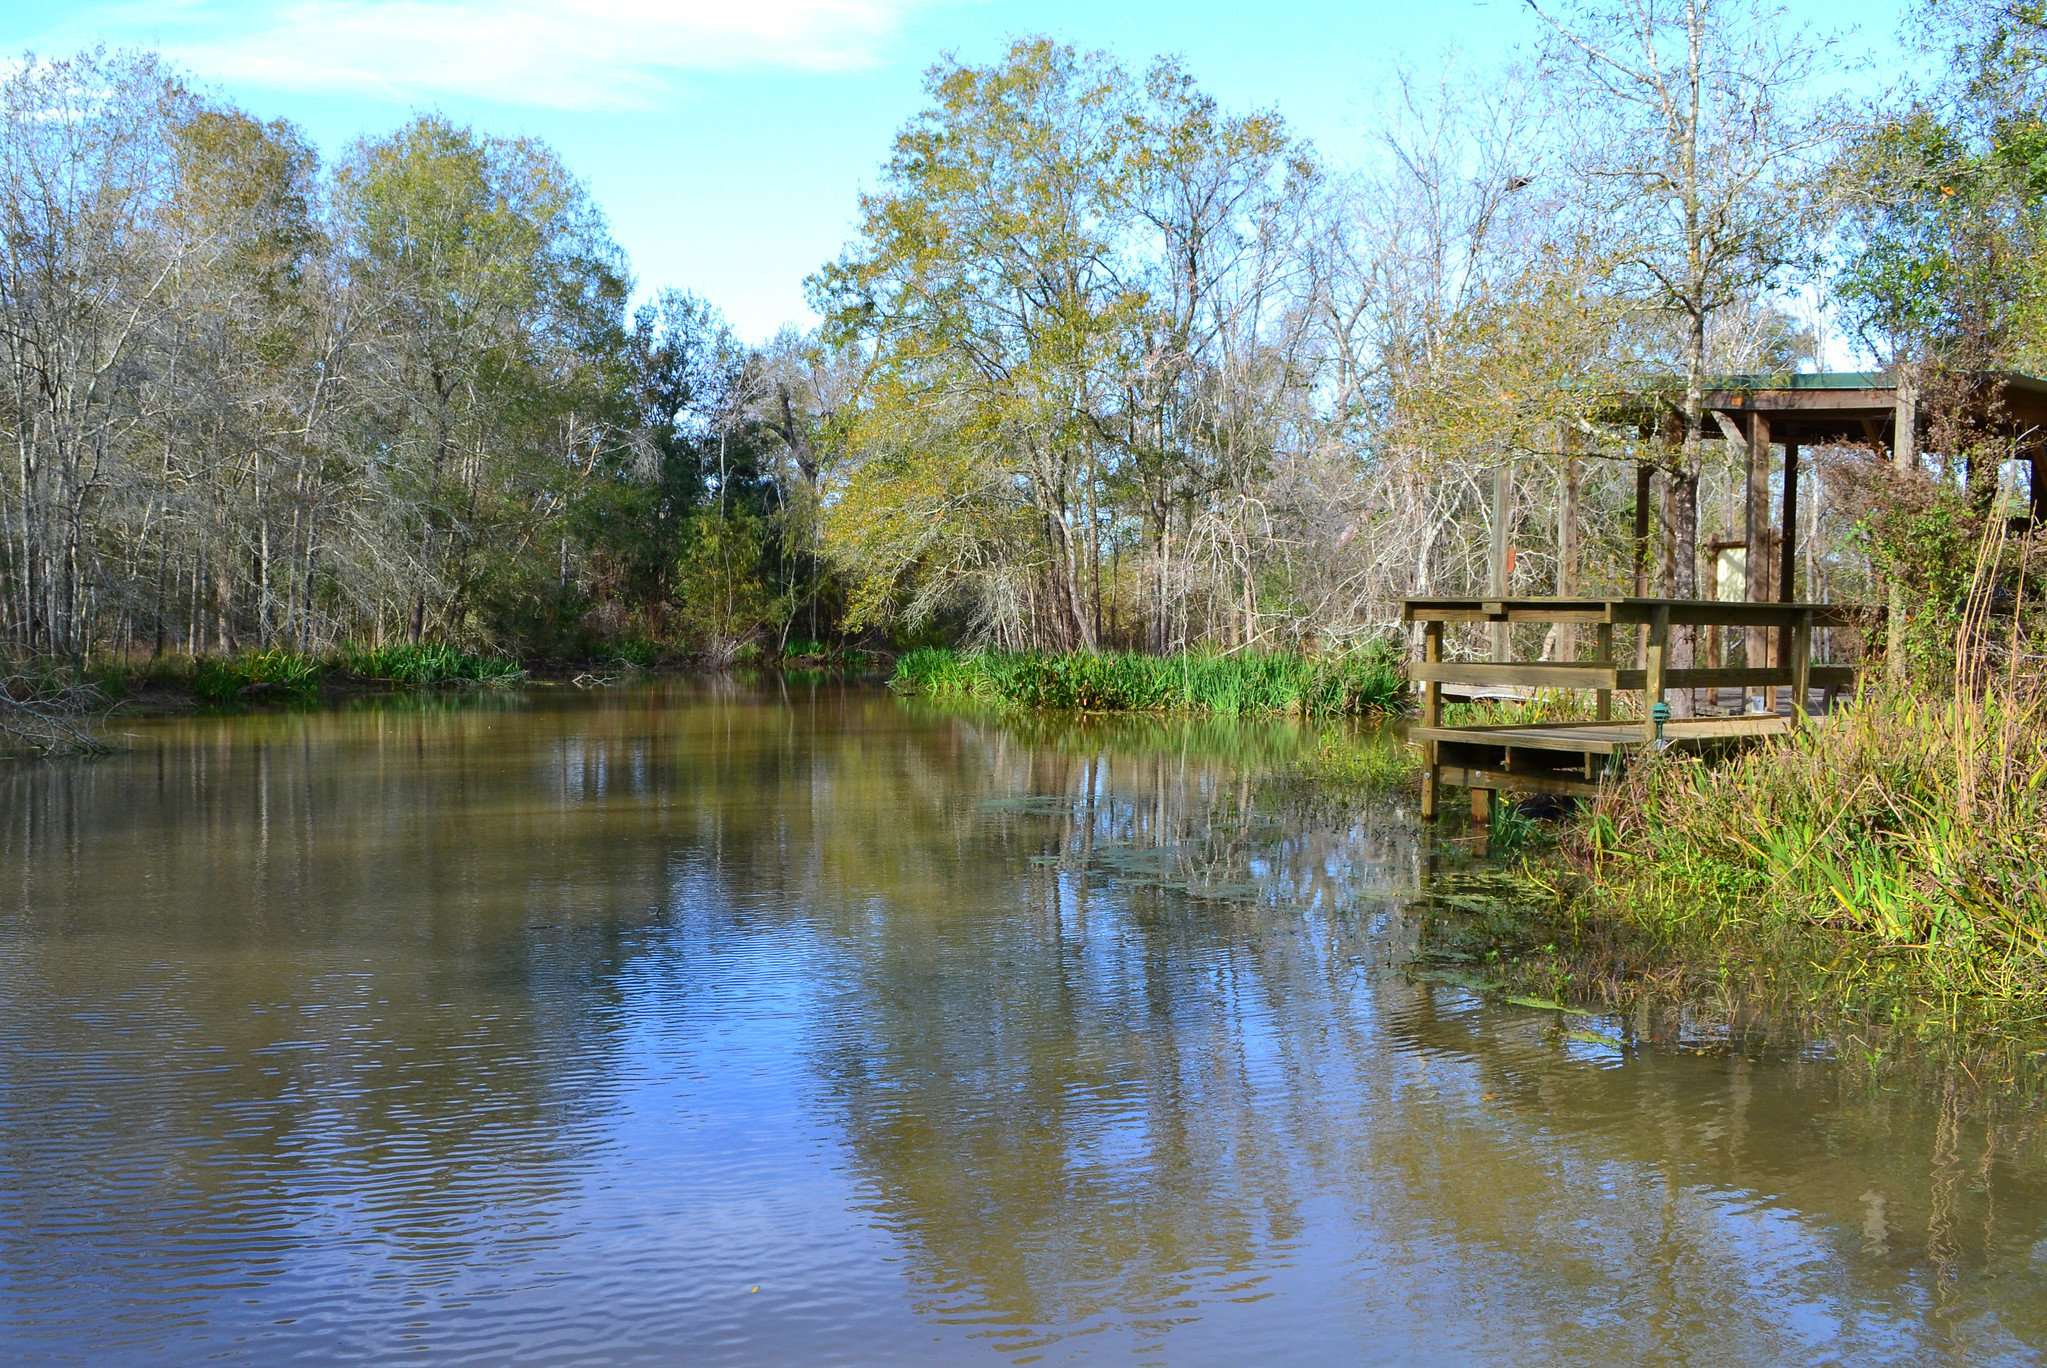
[(1843, 380), (1814, 380)]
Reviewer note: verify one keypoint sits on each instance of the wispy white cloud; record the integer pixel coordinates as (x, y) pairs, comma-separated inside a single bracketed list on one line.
[(562, 54)]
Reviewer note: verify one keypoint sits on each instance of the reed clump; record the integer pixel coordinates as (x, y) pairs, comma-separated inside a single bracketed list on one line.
[(223, 679), (1903, 831), (1371, 763), (1360, 683), (428, 664)]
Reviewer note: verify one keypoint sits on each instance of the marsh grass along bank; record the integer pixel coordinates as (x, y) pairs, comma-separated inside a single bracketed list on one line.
[(1902, 839), (254, 674), (1362, 683), (1896, 850)]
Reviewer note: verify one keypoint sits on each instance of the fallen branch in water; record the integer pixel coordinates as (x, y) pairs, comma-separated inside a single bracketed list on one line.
[(49, 715)]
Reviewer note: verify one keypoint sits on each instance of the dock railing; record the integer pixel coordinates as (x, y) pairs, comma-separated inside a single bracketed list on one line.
[(1571, 757)]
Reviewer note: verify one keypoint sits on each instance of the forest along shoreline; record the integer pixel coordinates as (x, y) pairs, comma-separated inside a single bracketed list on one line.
[(1879, 869), (254, 678)]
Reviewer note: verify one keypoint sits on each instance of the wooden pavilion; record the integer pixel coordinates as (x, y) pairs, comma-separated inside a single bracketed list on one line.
[(1867, 408), (1791, 412)]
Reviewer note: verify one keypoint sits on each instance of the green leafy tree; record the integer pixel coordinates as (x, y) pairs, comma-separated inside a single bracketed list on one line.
[(1066, 282)]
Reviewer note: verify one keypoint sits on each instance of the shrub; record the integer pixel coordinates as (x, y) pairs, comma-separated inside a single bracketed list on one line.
[(639, 653)]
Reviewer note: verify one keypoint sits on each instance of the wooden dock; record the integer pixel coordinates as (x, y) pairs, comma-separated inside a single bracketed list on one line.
[(1573, 757)]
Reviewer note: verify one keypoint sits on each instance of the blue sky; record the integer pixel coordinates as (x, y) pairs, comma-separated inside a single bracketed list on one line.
[(727, 139)]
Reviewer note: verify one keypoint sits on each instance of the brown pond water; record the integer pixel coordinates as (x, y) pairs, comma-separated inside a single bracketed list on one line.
[(702, 1025)]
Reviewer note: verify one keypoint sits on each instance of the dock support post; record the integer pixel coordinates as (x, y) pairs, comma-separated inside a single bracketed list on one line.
[(1482, 806), (1659, 642), (1432, 716)]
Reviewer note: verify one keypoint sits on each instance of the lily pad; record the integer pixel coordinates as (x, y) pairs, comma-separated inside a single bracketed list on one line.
[(1455, 979), (1037, 804), (1584, 1037)]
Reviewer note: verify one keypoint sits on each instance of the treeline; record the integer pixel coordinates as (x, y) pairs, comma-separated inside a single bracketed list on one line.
[(1105, 366), (1139, 371), (1136, 371), (259, 401)]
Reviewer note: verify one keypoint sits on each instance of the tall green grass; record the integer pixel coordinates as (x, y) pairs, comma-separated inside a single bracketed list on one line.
[(1368, 681), (1544, 705), (1371, 762), (429, 664), (224, 679), (233, 678), (1901, 830)]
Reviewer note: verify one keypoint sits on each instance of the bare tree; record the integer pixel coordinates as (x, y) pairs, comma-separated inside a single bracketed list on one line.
[(1696, 147)]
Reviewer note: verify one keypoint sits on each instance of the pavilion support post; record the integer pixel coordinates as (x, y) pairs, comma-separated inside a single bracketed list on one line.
[(1644, 476), (1904, 456), (1666, 545), (1787, 562), (2036, 483), (1432, 716), (1659, 643), (1567, 541), (1503, 506), (1756, 529)]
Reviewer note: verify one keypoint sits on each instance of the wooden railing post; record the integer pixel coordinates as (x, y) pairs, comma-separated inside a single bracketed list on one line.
[(1801, 664), (1603, 653), (1432, 716), (1659, 643)]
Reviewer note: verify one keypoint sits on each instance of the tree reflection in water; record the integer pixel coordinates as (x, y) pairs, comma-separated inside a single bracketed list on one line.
[(550, 1028)]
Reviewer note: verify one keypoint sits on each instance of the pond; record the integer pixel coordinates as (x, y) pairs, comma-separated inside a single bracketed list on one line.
[(700, 1023)]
